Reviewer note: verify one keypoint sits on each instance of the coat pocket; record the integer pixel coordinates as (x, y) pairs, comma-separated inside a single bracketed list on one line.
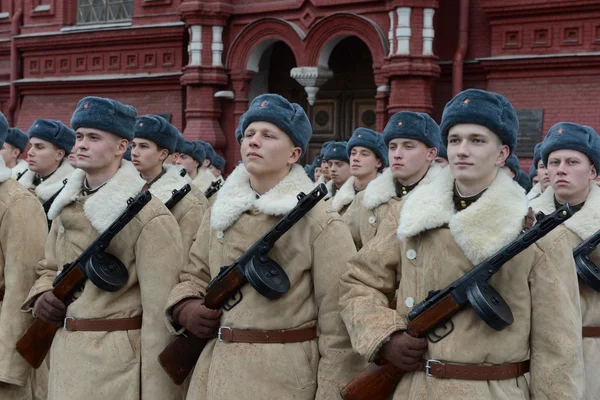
[(126, 345), (304, 362)]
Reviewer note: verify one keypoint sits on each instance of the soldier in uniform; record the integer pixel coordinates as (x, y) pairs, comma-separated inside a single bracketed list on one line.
[(295, 364), (467, 213), (316, 164), (22, 238), (49, 168), (154, 140), (541, 173), (572, 154), (110, 342), (325, 177), (339, 166), (14, 146), (412, 139), (512, 167), (173, 157), (208, 172), (368, 157)]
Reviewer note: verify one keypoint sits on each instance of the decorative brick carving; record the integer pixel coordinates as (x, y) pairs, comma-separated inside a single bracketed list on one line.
[(512, 39), (114, 62), (168, 59), (49, 65), (97, 64), (64, 64), (80, 63), (34, 67), (571, 36), (542, 37), (149, 60), (132, 61)]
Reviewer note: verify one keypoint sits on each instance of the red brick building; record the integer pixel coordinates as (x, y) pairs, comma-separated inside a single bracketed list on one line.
[(350, 63)]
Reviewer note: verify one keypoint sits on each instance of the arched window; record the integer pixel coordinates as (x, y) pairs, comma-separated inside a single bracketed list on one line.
[(102, 11)]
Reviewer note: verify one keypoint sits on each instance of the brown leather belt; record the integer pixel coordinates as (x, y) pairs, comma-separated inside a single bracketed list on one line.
[(103, 325), (591, 331), (227, 334), (474, 372)]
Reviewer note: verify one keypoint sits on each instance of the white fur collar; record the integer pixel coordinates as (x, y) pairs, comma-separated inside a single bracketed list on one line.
[(344, 196), (236, 196), (5, 172), (19, 168), (585, 222), (382, 189), (480, 230), (171, 180), (535, 191), (203, 180), (50, 186), (108, 203)]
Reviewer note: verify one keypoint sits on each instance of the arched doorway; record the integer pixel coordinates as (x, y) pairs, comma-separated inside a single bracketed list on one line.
[(347, 100), (272, 74)]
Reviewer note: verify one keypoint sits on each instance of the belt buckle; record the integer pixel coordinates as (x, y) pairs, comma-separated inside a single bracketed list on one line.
[(219, 335), (428, 366), (65, 323)]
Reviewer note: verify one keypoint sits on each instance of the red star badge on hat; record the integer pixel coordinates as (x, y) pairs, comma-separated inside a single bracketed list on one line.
[(141, 124), (466, 101), (359, 135), (263, 104), (400, 123), (85, 106), (334, 150), (560, 131)]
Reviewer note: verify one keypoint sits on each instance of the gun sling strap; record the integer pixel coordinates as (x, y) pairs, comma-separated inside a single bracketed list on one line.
[(591, 331), (227, 334), (103, 325), (472, 372)]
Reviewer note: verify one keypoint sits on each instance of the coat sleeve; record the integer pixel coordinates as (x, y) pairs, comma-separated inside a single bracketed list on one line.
[(46, 269), (338, 362), (195, 274), (159, 258), (22, 235), (366, 290), (556, 354)]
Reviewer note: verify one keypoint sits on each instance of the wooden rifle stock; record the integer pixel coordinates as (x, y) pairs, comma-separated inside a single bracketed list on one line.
[(36, 341), (180, 356)]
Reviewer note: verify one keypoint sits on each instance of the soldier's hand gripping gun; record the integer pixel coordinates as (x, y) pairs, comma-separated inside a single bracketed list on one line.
[(214, 188), (379, 380), (586, 269), (103, 269), (255, 267)]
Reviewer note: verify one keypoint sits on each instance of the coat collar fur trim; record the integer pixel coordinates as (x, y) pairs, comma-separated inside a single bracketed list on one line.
[(480, 230), (236, 196)]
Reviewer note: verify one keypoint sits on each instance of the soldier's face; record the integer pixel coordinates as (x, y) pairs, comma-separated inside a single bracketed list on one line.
[(146, 156), (475, 153), (363, 162), (43, 156), (172, 159), (542, 174), (96, 149), (409, 159), (339, 172), (570, 175), (267, 150), (317, 174), (215, 171), (190, 165), (10, 154)]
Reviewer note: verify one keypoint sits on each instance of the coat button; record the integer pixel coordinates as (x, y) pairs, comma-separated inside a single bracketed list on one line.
[(220, 235), (61, 229), (411, 254), (372, 220), (409, 302)]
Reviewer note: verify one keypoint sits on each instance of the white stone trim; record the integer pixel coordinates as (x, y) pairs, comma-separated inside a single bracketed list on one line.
[(195, 45), (217, 46), (403, 31), (428, 31)]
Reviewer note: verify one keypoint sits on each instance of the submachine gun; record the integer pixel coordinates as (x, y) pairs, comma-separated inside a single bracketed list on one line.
[(104, 270), (379, 380), (586, 269), (214, 188), (255, 267)]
